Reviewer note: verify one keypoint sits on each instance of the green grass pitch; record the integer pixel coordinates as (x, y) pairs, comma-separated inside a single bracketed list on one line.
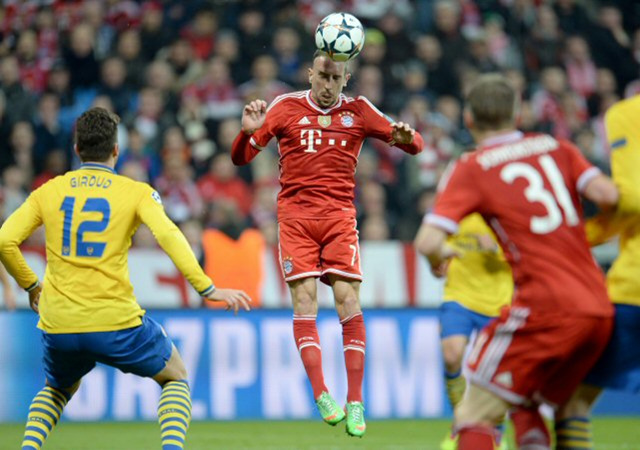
[(610, 433)]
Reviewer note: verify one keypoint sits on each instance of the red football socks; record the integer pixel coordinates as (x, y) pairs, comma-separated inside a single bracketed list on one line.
[(530, 430), (476, 437), (308, 344), (354, 342)]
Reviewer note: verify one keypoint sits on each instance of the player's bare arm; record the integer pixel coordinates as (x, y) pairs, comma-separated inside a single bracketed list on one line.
[(253, 116), (431, 242), (603, 192), (234, 298), (402, 133)]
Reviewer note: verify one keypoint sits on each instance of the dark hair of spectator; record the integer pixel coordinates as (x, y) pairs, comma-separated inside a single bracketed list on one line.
[(96, 134), (492, 102)]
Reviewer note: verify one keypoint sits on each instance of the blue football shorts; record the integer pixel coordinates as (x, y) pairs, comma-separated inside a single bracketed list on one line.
[(619, 366), (143, 350), (456, 320)]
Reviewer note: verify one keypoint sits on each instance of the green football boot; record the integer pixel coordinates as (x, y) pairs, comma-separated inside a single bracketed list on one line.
[(329, 409), (355, 419), (450, 442)]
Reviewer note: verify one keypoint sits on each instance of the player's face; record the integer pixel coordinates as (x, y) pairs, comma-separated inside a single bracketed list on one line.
[(327, 78)]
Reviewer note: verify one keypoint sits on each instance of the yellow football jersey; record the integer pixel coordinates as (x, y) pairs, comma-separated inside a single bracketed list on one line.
[(479, 280), (622, 122), (89, 217)]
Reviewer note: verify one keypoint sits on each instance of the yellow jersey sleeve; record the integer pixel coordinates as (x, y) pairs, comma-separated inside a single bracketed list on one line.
[(15, 230), (479, 280), (623, 134), (151, 213), (624, 139)]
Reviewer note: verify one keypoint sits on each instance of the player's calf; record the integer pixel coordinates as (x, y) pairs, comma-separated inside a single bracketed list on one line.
[(174, 414), (44, 413)]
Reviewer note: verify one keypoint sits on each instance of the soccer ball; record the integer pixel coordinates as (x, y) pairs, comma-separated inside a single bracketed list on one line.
[(341, 36)]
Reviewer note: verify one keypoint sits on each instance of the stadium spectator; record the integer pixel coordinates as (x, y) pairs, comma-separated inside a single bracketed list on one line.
[(129, 50), (581, 70), (14, 189), (184, 63), (264, 83), (113, 74), (154, 34), (179, 193), (19, 101), (150, 119), (94, 14), (79, 54), (48, 132), (216, 91), (55, 163), (200, 33), (222, 182), (22, 142)]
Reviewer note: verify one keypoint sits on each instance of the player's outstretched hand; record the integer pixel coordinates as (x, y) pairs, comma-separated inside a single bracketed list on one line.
[(253, 115), (234, 298), (440, 266), (402, 133), (34, 297)]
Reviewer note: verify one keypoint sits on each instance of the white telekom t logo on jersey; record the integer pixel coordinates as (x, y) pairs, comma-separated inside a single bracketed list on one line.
[(314, 137)]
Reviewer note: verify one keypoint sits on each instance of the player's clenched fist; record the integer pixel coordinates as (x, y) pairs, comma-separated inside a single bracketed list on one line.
[(234, 298), (402, 133), (253, 116)]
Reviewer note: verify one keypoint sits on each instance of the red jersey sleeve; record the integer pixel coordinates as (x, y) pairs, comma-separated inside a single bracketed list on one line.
[(458, 196), (582, 171), (246, 147), (378, 125)]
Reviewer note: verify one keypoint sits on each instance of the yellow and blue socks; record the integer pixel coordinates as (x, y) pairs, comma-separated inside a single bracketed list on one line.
[(573, 433), (174, 414), (456, 385), (44, 413)]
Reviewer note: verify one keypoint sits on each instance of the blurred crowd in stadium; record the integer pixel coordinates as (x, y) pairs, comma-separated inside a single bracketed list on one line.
[(179, 72)]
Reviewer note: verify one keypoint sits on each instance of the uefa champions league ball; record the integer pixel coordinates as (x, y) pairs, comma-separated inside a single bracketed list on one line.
[(341, 36)]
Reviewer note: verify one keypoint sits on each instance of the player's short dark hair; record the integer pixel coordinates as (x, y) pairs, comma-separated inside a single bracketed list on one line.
[(96, 134), (319, 53), (492, 103)]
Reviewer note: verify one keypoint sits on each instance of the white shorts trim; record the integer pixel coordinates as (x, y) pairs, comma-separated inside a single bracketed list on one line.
[(505, 394), (355, 276), (302, 275)]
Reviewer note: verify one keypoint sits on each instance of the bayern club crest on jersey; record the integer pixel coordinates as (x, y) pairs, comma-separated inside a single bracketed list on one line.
[(346, 119), (324, 121), (287, 265)]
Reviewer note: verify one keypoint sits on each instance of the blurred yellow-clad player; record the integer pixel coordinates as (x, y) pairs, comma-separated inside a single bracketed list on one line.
[(478, 285), (619, 366), (88, 312)]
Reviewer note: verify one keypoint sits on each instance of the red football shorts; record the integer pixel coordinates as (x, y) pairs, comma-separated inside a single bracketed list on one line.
[(317, 247), (523, 356)]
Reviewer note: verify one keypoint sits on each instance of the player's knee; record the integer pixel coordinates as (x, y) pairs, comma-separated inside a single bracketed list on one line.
[(304, 303), (349, 300), (467, 413), (452, 357)]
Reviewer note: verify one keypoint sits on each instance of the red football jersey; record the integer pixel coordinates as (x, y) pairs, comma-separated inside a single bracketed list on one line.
[(318, 150), (527, 189)]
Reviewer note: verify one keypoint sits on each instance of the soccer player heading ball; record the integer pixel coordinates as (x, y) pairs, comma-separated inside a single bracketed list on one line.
[(320, 133)]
